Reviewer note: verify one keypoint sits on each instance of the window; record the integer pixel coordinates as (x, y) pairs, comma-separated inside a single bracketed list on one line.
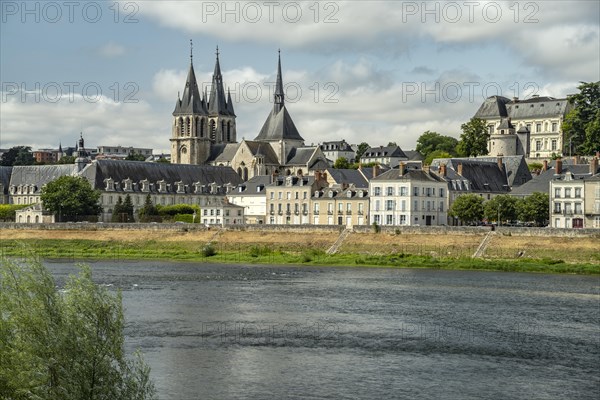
[(538, 145), (578, 192), (403, 191), (415, 191), (389, 220), (403, 205), (403, 220), (442, 192), (280, 195), (557, 193), (348, 207), (389, 205), (538, 127), (279, 209), (567, 192), (296, 194), (304, 194), (554, 144), (376, 218), (416, 205), (316, 208), (218, 212), (360, 208), (377, 205), (554, 127), (288, 195), (376, 191), (557, 208), (272, 195), (329, 208), (441, 206), (577, 208), (390, 191), (272, 208), (340, 207)]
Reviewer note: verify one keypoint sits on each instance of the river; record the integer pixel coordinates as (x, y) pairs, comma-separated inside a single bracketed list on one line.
[(285, 332)]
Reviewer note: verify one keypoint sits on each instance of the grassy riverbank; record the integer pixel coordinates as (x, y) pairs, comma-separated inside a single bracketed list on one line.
[(376, 250)]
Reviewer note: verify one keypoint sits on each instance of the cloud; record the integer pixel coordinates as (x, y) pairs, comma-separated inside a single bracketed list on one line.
[(111, 50)]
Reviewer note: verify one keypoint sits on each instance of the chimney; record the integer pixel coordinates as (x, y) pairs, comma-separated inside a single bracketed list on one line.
[(324, 176), (545, 167), (443, 170), (317, 176), (500, 163), (558, 167), (375, 170), (594, 165), (402, 168), (459, 169)]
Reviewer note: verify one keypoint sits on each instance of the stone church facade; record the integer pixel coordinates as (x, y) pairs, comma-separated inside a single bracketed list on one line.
[(204, 133)]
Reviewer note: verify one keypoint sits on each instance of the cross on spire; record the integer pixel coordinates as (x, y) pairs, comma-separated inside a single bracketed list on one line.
[(217, 52), (191, 51)]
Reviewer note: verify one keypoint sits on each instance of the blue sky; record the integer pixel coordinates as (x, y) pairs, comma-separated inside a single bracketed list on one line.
[(374, 71)]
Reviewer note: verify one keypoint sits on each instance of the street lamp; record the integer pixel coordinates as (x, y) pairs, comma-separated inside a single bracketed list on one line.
[(194, 217)]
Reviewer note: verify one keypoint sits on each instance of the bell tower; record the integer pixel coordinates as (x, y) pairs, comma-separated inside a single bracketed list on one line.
[(221, 116)]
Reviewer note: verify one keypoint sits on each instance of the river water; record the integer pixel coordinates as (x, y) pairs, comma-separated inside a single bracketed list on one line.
[(271, 332)]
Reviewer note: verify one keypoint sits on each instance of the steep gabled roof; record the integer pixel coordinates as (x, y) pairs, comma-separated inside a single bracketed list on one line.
[(493, 107), (217, 103), (191, 102), (537, 107), (279, 126), (264, 149)]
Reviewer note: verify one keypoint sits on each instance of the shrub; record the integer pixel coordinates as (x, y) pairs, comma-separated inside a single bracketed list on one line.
[(178, 209), (7, 211), (208, 250), (189, 218), (376, 227)]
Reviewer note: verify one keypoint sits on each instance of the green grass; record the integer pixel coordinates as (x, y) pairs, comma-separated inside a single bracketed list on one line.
[(252, 254)]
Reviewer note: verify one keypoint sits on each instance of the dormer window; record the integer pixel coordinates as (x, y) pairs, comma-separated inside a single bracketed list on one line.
[(197, 187), (317, 194), (109, 185), (180, 187), (162, 186), (331, 193), (214, 188), (349, 194), (127, 185), (145, 186)]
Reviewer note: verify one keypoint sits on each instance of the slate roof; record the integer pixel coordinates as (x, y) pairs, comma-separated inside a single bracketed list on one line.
[(251, 186), (191, 102), (348, 176), (5, 173), (355, 194), (340, 145), (138, 171), (413, 155), (278, 126), (227, 153), (39, 175), (381, 151), (263, 149), (410, 175), (541, 182), (517, 172), (505, 124), (493, 107), (217, 103), (482, 176)]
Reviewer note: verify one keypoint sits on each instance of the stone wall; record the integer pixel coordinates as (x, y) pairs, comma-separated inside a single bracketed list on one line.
[(183, 227)]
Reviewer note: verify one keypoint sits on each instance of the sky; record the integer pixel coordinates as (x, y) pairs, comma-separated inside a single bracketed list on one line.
[(363, 71)]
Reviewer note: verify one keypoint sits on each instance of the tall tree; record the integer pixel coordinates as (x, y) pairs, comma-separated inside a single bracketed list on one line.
[(474, 139), (501, 208), (468, 208), (341, 163), (534, 208), (71, 197), (117, 212), (582, 124), (64, 345), (128, 208), (18, 155), (436, 154), (430, 141), (364, 146), (148, 213)]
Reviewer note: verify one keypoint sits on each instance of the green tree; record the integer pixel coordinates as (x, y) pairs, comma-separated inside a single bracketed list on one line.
[(341, 163), (64, 345), (436, 154), (117, 213), (430, 141), (70, 198), (501, 208), (582, 123), (364, 146), (18, 155), (534, 208), (163, 160), (128, 208), (148, 213), (392, 144), (66, 160), (468, 208), (474, 139), (135, 157)]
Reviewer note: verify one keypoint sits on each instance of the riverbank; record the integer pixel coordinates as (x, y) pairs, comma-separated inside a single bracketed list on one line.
[(451, 249)]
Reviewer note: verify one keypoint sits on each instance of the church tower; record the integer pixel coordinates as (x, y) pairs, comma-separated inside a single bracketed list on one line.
[(279, 129), (200, 123)]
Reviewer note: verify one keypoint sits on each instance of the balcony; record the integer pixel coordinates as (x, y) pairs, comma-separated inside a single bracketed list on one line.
[(348, 212), (329, 212), (316, 212)]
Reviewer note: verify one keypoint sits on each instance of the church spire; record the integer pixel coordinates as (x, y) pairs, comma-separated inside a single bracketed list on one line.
[(230, 103), (279, 95), (191, 101), (217, 102)]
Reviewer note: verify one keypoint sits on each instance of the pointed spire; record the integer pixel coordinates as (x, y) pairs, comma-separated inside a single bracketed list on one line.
[(279, 95), (191, 52), (190, 102), (230, 103), (217, 102)]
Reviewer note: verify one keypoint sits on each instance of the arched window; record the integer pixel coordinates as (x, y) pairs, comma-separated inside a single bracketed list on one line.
[(299, 173), (181, 127), (229, 131), (188, 124), (245, 176), (239, 171), (222, 131), (28, 219), (198, 124), (288, 172), (201, 127), (37, 219)]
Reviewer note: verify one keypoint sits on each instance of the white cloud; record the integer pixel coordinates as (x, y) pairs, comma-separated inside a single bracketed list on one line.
[(111, 50)]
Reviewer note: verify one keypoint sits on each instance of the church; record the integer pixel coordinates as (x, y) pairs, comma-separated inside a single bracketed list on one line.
[(204, 133)]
